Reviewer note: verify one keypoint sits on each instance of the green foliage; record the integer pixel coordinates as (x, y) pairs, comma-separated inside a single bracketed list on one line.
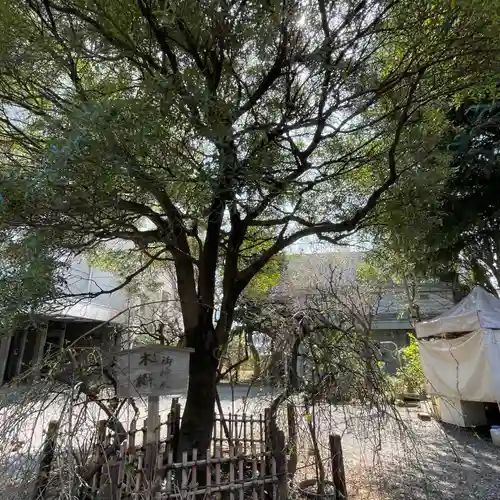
[(410, 374), (219, 134), (256, 242), (30, 278), (441, 220), (369, 272), (124, 263), (114, 120), (265, 280), (468, 205), (452, 229)]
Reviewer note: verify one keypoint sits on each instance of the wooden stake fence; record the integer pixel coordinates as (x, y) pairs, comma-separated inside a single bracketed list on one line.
[(234, 473), (244, 432), (238, 465)]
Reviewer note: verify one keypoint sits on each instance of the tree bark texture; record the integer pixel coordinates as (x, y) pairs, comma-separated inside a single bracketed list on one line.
[(198, 416), (255, 356)]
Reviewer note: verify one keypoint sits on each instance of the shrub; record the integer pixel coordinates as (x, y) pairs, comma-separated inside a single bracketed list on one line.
[(410, 372)]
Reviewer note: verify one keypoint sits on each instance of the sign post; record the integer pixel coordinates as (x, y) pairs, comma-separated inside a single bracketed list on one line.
[(152, 371), (152, 436)]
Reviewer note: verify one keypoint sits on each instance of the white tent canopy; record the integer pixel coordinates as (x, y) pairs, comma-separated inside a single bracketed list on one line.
[(479, 309), (467, 367)]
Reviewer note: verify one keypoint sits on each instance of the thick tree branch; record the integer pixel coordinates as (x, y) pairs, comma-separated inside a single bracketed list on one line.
[(160, 33), (272, 75), (246, 275)]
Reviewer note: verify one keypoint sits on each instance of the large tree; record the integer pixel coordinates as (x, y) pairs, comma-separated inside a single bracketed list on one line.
[(468, 210), (183, 127), (448, 226)]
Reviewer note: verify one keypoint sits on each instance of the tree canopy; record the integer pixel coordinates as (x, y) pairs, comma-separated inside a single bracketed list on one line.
[(450, 227), (469, 226), (182, 128)]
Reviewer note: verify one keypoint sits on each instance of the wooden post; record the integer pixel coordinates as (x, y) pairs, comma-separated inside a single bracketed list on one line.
[(292, 439), (99, 449), (62, 338), (41, 338), (20, 354), (276, 444), (281, 466), (152, 431), (176, 425), (265, 430), (4, 355), (338, 471), (42, 478)]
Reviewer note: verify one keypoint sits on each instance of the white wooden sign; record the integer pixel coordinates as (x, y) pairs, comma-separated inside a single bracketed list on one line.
[(152, 370)]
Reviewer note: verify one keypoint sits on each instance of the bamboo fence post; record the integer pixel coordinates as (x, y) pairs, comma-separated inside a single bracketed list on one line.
[(262, 475), (241, 477), (131, 437), (221, 433), (170, 461), (292, 439), (209, 474), (280, 466), (251, 434), (152, 434), (254, 472), (100, 433), (214, 435), (121, 471), (244, 450), (144, 431), (194, 474), (217, 467), (131, 454), (184, 476), (138, 477), (157, 477), (276, 488), (176, 425), (169, 438), (231, 471), (262, 437), (236, 433), (106, 466)]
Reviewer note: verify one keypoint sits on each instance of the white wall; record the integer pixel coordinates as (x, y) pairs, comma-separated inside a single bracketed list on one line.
[(83, 279)]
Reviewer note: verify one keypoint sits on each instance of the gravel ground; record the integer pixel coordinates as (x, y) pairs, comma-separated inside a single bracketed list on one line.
[(399, 456), (416, 460), (386, 457)]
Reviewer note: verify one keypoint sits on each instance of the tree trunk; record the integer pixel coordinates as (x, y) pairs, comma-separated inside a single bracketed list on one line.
[(198, 416), (255, 356), (413, 307)]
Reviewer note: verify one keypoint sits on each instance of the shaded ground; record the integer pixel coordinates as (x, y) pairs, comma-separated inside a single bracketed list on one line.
[(385, 457), (424, 460), (395, 456)]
